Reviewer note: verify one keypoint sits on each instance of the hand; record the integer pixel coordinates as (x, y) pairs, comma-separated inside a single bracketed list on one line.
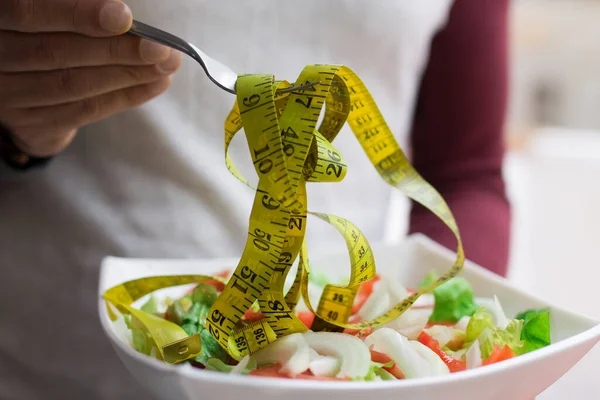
[(66, 63)]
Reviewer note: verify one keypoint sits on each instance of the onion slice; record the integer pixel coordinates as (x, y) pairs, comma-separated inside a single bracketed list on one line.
[(291, 352), (392, 343), (353, 355), (437, 367), (473, 356)]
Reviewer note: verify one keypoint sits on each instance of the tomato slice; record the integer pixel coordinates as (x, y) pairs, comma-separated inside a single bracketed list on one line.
[(310, 376), (499, 354), (365, 290), (384, 359), (252, 316), (453, 364), (272, 371), (220, 286), (224, 274), (307, 318)]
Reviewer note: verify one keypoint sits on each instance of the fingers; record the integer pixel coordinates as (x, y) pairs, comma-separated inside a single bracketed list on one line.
[(37, 89), (88, 17), (42, 144), (25, 52), (48, 130)]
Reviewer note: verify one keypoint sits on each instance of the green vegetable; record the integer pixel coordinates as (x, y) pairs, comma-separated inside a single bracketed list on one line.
[(204, 294), (196, 315), (210, 349), (142, 341), (480, 320), (319, 278), (175, 313), (482, 326), (536, 329), (214, 364), (510, 336), (376, 370), (255, 307), (151, 306), (454, 299), (384, 375), (193, 322), (429, 278), (190, 329)]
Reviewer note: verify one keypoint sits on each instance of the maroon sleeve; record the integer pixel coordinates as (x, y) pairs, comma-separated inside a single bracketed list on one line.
[(457, 136)]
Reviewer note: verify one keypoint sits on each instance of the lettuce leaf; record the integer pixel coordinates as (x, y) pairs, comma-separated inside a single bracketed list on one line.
[(319, 278), (151, 306), (177, 309), (536, 329), (479, 321), (211, 349), (377, 371), (142, 341), (482, 327), (429, 278), (215, 364), (204, 294), (454, 299), (384, 375), (510, 336)]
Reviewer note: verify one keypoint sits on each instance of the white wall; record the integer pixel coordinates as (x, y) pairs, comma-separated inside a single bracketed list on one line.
[(554, 185), (555, 48)]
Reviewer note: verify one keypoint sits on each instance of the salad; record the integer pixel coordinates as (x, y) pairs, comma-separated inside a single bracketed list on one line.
[(447, 331)]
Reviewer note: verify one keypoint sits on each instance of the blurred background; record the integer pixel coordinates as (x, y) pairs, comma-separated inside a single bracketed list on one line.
[(553, 167), (553, 136)]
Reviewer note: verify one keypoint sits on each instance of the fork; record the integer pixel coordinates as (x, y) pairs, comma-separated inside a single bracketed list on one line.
[(221, 75)]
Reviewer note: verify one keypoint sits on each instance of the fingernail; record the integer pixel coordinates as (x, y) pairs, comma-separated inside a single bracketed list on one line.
[(115, 17), (170, 64), (153, 52)]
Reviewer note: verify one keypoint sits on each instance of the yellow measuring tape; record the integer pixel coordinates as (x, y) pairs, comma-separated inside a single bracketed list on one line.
[(288, 151)]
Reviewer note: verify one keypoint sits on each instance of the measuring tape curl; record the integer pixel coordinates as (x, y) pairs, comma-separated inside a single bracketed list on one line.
[(173, 343), (287, 152)]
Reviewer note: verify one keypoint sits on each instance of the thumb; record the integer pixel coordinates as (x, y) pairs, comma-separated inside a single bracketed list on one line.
[(87, 17)]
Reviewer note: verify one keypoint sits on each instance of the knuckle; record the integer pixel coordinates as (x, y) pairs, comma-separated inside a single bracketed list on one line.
[(134, 74)]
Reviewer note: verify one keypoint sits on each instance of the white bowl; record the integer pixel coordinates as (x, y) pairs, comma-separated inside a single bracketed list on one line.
[(520, 378)]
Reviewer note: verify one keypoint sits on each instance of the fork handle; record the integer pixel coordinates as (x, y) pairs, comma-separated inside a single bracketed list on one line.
[(156, 35)]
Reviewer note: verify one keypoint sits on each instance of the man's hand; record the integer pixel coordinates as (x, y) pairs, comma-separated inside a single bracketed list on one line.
[(66, 63)]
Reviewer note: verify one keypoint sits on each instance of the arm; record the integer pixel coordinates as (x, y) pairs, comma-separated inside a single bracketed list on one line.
[(457, 136)]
